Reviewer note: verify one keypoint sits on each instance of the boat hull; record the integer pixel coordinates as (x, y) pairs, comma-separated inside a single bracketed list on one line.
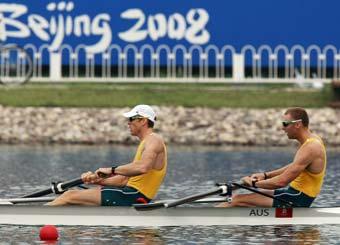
[(180, 216)]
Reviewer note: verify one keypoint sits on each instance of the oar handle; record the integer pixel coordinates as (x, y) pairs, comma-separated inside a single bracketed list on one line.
[(71, 183), (263, 194)]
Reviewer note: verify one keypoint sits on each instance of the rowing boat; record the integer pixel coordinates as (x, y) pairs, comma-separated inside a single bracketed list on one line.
[(161, 213), (179, 216)]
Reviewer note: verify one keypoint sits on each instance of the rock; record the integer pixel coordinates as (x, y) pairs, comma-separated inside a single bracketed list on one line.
[(179, 125)]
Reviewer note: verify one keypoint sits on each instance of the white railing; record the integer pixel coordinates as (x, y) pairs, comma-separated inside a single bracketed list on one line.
[(182, 64)]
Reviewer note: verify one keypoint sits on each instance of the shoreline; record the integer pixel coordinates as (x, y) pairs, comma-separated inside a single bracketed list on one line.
[(178, 125)]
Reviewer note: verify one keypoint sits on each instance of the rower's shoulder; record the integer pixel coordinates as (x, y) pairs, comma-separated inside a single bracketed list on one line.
[(316, 141), (155, 142), (155, 138), (314, 144)]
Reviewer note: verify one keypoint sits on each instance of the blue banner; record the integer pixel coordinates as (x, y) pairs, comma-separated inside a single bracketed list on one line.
[(97, 25)]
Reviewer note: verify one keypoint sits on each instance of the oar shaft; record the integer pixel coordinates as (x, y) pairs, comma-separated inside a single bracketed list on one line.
[(58, 188), (203, 200), (39, 193), (26, 200), (222, 189), (219, 190)]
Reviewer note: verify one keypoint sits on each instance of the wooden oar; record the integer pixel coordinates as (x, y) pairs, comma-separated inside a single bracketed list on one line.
[(223, 189), (290, 204), (56, 188)]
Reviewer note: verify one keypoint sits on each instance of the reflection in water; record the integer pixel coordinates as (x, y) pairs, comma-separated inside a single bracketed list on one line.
[(310, 235), (285, 234), (110, 235), (144, 236), (297, 234), (249, 234)]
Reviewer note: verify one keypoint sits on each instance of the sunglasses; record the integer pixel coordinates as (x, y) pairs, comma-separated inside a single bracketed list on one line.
[(287, 123), (134, 118)]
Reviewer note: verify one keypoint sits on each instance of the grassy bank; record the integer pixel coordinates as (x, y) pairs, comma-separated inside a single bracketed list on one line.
[(189, 95)]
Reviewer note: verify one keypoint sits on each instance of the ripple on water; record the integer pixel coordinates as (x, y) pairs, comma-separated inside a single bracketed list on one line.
[(287, 234)]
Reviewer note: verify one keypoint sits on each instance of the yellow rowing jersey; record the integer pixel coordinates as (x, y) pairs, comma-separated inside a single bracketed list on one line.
[(149, 183), (307, 182)]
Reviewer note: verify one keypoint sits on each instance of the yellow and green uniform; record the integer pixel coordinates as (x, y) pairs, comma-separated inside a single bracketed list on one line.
[(141, 187), (148, 183), (303, 189), (307, 182)]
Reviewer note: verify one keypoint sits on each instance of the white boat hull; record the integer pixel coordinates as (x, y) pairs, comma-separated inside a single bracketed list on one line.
[(180, 216)]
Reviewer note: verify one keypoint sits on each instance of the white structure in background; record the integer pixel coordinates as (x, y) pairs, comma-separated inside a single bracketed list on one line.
[(195, 64)]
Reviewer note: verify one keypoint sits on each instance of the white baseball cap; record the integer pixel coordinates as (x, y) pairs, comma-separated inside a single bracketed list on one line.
[(142, 110)]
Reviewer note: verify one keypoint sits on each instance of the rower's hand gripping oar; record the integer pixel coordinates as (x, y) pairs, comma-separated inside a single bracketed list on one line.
[(59, 188), (56, 188), (223, 189)]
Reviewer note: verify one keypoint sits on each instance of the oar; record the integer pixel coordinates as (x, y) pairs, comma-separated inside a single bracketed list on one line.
[(263, 194), (11, 201), (223, 189), (203, 200), (56, 188)]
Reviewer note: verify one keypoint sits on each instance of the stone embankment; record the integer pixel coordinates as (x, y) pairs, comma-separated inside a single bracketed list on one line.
[(177, 124)]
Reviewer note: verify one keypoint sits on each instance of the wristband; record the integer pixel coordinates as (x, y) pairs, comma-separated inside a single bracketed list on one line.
[(265, 175), (113, 169), (253, 183)]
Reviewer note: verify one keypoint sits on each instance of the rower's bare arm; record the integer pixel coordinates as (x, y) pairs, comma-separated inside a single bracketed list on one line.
[(303, 158), (93, 178), (269, 174), (152, 148), (277, 172), (117, 180)]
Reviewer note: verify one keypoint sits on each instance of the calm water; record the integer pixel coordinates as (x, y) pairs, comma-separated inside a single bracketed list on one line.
[(191, 170)]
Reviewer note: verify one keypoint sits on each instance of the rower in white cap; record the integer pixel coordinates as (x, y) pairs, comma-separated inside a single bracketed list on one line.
[(127, 184)]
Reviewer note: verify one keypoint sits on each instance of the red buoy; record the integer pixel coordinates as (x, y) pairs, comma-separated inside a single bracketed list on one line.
[(48, 233)]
